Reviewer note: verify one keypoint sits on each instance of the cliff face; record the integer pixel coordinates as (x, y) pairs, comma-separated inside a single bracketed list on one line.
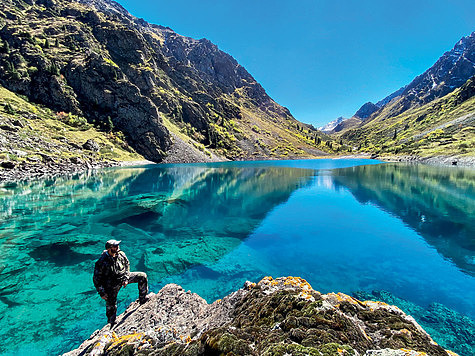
[(275, 317), (92, 58)]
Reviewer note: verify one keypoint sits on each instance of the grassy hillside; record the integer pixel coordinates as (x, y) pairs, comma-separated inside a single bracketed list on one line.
[(443, 127), (33, 133)]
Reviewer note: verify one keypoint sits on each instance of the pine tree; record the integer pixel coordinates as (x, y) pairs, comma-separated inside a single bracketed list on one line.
[(109, 125), (53, 69), (10, 67), (46, 45)]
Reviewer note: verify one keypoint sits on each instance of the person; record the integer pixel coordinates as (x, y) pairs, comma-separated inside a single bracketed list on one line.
[(112, 272)]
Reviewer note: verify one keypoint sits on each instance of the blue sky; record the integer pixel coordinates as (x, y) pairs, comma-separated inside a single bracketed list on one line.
[(321, 59)]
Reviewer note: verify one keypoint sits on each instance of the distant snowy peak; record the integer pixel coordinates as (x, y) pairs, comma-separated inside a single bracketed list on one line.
[(331, 125), (338, 124)]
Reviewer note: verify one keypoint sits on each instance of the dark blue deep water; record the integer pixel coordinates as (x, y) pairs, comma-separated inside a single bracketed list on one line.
[(404, 234)]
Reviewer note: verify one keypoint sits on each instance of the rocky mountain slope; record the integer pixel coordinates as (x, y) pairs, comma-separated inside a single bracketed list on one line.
[(284, 316), (364, 112), (433, 115), (37, 142), (444, 127), (92, 59), (450, 71)]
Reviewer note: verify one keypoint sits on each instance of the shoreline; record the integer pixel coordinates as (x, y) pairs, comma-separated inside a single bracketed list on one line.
[(446, 161), (24, 171)]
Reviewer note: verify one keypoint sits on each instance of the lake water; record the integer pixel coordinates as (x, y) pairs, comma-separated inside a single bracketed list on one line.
[(404, 234)]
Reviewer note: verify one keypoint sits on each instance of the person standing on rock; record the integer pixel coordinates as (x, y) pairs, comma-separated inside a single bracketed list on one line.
[(112, 272)]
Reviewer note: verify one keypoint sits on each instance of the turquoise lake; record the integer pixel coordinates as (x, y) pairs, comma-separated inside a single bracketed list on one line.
[(403, 234)]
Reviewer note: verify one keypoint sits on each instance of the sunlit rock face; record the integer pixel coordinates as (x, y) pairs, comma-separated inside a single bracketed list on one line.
[(273, 317)]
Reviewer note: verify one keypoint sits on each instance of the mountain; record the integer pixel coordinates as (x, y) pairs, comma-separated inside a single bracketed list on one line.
[(366, 110), (172, 96), (332, 124), (450, 71), (346, 124), (390, 97), (432, 115), (35, 142), (342, 123), (442, 127)]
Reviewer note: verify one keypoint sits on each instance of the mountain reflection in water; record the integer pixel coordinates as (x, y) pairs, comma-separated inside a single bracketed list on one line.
[(437, 202)]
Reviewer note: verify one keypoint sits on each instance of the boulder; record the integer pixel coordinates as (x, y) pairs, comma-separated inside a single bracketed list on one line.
[(91, 145), (7, 164)]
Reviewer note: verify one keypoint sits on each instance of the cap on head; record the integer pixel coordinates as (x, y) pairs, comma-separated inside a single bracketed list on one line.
[(111, 243)]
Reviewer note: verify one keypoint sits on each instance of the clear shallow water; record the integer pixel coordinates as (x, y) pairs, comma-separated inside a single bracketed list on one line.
[(408, 230)]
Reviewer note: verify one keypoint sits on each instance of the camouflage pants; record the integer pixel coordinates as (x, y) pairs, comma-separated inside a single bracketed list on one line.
[(111, 302)]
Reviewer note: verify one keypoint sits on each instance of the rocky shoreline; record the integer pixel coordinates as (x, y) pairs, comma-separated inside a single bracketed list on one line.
[(283, 316), (14, 172), (461, 161)]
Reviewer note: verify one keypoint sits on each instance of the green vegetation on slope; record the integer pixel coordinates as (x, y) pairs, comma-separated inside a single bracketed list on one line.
[(445, 126), (101, 63), (34, 133)]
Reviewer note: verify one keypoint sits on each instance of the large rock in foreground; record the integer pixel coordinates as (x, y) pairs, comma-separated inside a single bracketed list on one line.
[(284, 316)]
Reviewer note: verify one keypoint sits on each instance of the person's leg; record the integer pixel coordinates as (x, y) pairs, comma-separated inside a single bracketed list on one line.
[(111, 305), (141, 279)]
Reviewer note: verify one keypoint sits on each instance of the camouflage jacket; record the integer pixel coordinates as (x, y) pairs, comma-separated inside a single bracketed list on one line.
[(110, 272)]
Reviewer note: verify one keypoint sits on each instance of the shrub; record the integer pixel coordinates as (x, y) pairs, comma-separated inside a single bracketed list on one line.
[(9, 109)]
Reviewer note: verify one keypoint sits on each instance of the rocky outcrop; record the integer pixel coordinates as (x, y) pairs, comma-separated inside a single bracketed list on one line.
[(284, 316)]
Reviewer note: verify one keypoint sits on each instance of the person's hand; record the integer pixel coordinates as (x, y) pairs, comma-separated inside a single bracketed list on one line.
[(104, 296)]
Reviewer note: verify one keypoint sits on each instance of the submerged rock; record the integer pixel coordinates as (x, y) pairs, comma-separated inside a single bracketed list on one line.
[(284, 316)]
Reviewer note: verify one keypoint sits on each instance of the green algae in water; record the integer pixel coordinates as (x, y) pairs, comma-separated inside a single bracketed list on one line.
[(211, 227)]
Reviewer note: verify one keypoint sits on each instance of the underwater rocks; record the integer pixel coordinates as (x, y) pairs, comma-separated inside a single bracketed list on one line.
[(451, 329), (282, 316)]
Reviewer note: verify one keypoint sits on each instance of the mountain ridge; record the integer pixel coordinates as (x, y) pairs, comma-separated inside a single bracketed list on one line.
[(431, 116), (94, 59)]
